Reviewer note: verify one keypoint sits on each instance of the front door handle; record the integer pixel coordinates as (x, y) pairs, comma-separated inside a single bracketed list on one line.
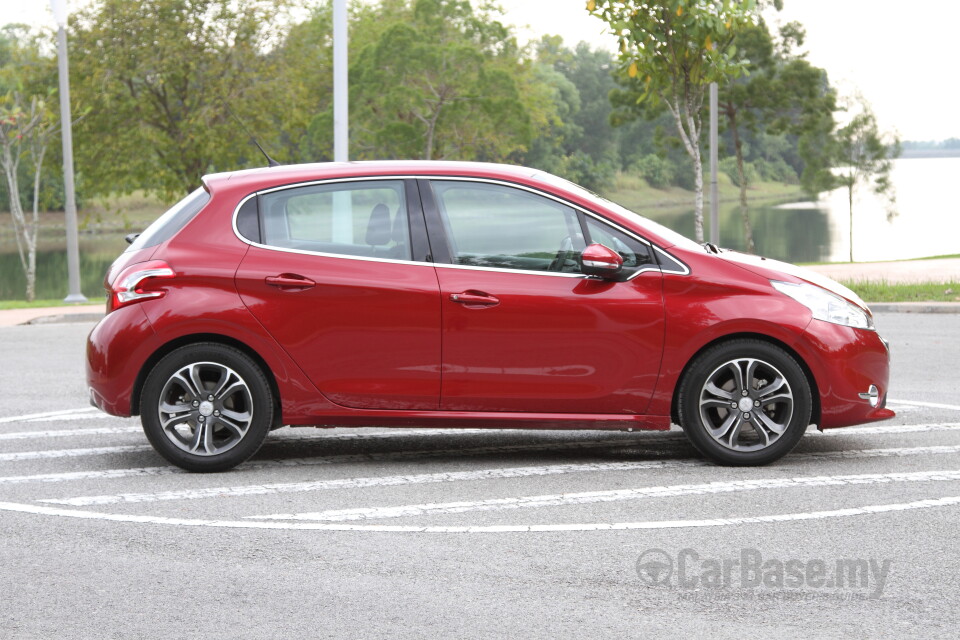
[(290, 281), (475, 299)]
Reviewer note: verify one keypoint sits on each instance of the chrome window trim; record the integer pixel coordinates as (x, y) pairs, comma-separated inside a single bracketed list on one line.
[(496, 181)]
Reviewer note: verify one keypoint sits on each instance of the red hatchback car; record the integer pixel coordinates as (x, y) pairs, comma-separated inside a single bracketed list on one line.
[(461, 294)]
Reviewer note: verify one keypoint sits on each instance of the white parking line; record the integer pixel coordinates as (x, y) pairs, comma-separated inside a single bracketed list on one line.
[(67, 433), (48, 414), (461, 476), (287, 433), (355, 457), (17, 456), (376, 481), (932, 503), (618, 495), (891, 428), (654, 438), (931, 405)]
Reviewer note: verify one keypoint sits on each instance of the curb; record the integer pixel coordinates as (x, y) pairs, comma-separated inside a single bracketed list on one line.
[(61, 318), (914, 307)]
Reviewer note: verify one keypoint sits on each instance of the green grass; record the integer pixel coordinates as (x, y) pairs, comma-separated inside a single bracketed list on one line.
[(946, 257), (39, 304), (872, 291), (634, 193)]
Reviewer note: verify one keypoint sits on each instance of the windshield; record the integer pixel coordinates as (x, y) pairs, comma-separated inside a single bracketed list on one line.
[(669, 235), (164, 227)]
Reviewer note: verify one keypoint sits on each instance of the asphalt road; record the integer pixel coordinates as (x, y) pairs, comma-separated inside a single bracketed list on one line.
[(411, 533)]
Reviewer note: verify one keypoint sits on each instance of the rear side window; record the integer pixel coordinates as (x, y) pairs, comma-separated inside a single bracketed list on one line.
[(365, 219), (167, 225)]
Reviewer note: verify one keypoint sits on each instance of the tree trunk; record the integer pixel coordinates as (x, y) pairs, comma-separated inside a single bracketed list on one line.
[(744, 212), (850, 201), (690, 136), (10, 166), (698, 202)]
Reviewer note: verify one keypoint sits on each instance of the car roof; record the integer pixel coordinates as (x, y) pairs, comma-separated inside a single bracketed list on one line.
[(264, 177)]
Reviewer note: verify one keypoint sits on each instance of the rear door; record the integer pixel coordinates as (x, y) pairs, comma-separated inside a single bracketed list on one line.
[(338, 274)]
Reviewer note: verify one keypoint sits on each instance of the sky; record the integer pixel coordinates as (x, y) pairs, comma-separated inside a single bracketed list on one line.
[(899, 56)]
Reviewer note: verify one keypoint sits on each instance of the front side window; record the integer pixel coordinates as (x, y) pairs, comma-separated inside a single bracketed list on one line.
[(496, 226), (635, 254), (366, 219)]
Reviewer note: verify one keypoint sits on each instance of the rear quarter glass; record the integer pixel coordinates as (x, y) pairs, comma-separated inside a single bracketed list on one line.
[(167, 225)]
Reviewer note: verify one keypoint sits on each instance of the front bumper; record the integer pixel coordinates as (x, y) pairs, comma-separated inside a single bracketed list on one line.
[(851, 368)]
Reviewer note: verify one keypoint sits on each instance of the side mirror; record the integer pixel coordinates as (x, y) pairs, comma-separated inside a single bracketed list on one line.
[(602, 262)]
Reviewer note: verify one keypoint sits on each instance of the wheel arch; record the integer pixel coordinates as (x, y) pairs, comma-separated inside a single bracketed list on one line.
[(196, 338), (814, 389)]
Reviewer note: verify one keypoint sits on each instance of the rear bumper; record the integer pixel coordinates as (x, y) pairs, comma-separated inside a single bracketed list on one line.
[(116, 350)]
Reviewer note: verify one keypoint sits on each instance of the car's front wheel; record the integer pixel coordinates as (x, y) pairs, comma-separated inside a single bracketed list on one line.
[(206, 407), (744, 402)]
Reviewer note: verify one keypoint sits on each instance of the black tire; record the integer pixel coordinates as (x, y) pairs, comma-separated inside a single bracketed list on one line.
[(206, 407), (716, 389)]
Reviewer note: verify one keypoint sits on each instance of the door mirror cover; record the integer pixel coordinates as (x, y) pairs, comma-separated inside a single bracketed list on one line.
[(602, 262)]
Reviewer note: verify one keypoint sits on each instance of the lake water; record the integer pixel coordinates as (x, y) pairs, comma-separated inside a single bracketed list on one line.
[(927, 224)]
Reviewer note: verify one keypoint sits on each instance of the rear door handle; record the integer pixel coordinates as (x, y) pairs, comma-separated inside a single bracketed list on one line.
[(475, 299), (289, 281)]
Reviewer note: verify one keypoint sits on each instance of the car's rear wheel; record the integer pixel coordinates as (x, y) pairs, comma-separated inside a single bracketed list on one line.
[(206, 407), (744, 402)]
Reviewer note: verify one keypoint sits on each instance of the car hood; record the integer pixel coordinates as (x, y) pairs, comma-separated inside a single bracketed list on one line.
[(776, 270)]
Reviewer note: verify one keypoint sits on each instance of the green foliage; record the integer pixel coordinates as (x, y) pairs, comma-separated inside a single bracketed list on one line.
[(438, 79), (670, 51), (658, 172), (750, 173), (25, 70), (160, 78)]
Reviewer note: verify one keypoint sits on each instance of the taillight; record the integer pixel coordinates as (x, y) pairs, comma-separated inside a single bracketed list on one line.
[(139, 282)]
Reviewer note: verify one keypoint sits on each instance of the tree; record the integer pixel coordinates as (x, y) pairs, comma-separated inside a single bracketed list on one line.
[(864, 156), (160, 78), (782, 93), (438, 79), (26, 130), (670, 51), (578, 143)]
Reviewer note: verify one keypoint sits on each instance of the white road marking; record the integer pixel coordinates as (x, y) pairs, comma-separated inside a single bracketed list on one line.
[(931, 405), (356, 457), (617, 495), (47, 414), (286, 434), (17, 456), (892, 428), (932, 503), (67, 433), (461, 476), (73, 417), (647, 439), (107, 474), (375, 481)]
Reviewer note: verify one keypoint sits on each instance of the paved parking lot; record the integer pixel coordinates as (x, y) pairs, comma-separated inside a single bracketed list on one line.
[(477, 533)]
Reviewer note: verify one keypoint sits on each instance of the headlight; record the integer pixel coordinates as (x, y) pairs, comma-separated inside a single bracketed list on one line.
[(825, 305)]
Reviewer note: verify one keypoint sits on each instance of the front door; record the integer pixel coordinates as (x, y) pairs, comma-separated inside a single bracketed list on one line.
[(523, 329)]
